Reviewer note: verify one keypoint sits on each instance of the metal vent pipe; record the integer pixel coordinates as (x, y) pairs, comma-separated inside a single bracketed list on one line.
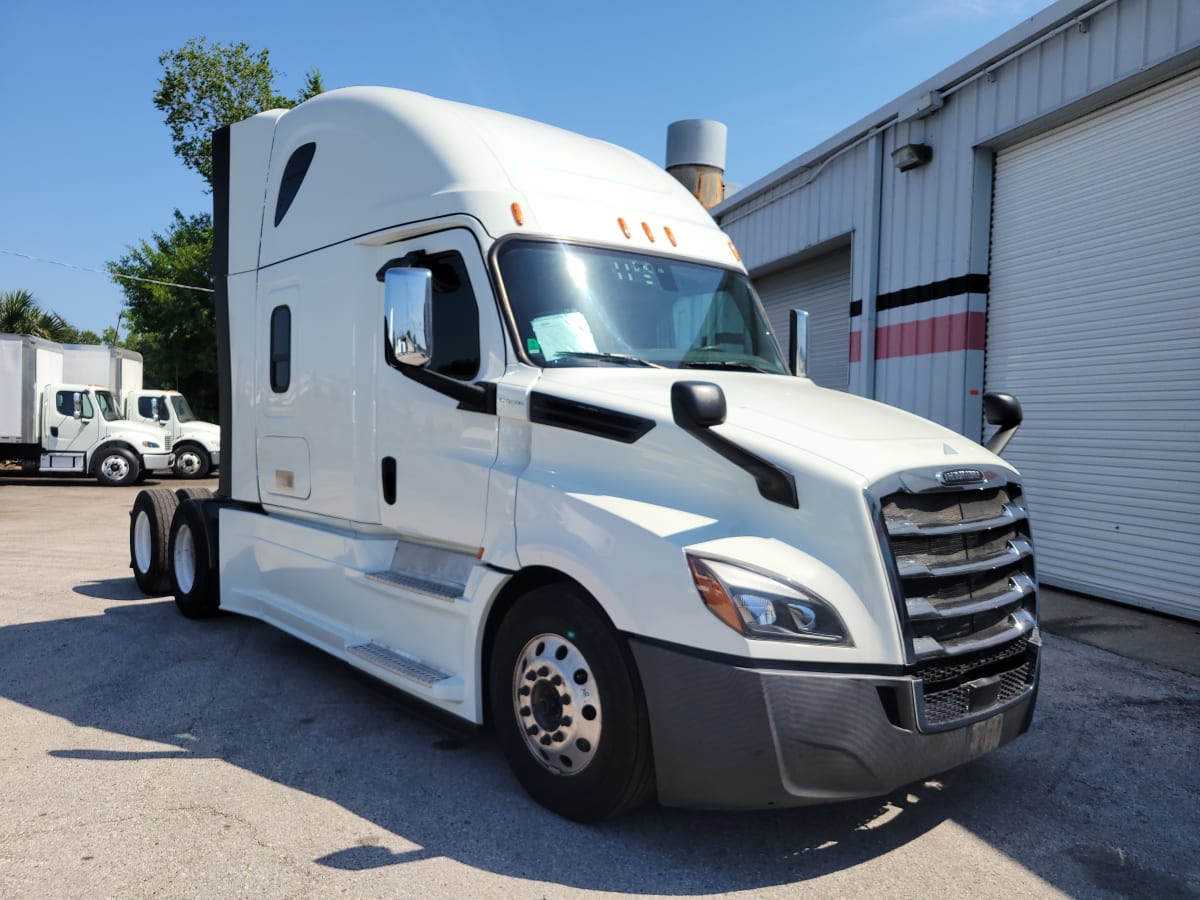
[(696, 157)]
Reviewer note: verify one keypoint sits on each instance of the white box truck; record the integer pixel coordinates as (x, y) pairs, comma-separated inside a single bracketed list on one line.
[(51, 423), (505, 426), (196, 444)]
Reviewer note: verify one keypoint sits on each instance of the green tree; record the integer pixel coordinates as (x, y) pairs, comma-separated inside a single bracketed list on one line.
[(21, 314), (173, 326), (206, 86), (203, 87)]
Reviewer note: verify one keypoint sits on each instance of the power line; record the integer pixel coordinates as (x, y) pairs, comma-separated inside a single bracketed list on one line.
[(55, 262)]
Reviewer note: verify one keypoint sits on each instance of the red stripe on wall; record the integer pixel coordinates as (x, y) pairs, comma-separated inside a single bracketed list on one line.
[(941, 334)]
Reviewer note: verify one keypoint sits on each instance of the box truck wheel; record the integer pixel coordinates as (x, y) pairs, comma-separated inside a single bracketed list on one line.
[(192, 461), (149, 533), (567, 706), (193, 569), (116, 467)]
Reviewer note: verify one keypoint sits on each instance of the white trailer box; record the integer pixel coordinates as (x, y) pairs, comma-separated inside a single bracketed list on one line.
[(115, 368), (26, 364)]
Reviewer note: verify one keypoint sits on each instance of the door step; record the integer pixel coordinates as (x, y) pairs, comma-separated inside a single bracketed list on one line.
[(433, 587), (442, 685)]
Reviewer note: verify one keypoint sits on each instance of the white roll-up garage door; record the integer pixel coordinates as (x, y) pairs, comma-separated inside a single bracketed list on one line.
[(821, 286), (1094, 324)]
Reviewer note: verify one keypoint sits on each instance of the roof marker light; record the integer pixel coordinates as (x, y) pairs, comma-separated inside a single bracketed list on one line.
[(649, 233), (518, 216), (624, 228), (733, 250), (670, 236)]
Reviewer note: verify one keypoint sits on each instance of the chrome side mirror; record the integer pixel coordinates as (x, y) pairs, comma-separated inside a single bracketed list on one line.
[(408, 316), (798, 342), (78, 414)]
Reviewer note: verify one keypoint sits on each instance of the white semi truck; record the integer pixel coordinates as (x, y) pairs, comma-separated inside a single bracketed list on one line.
[(505, 426), (195, 444), (55, 424)]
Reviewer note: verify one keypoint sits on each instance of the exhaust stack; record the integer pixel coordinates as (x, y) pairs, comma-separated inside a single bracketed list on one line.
[(696, 157)]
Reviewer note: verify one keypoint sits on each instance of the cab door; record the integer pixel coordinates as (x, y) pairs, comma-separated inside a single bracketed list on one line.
[(435, 452), (64, 432)]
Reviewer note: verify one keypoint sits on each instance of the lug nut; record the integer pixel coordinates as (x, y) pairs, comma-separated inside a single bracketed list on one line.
[(525, 710), (531, 730), (543, 671), (524, 691), (558, 737), (556, 680), (565, 721), (546, 739)]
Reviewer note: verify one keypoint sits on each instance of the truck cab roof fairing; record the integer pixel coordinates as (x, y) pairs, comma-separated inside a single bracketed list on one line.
[(386, 156)]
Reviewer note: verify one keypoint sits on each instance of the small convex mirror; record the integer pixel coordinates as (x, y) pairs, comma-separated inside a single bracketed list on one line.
[(154, 408), (78, 399), (408, 316)]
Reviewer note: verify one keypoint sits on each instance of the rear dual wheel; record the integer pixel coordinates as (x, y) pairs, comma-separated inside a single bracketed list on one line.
[(568, 708)]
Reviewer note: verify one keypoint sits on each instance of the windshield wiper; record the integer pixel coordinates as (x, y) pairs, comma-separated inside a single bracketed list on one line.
[(622, 359), (719, 364)]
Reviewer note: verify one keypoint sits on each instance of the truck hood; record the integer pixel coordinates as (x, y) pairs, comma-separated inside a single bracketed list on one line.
[(201, 430), (791, 420), (135, 429)]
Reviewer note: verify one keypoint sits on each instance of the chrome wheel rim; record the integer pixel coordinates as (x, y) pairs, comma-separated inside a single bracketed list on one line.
[(557, 704), (115, 468), (184, 559), (189, 462)]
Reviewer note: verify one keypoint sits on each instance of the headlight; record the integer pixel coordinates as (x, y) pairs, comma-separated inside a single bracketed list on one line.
[(150, 445), (760, 606)]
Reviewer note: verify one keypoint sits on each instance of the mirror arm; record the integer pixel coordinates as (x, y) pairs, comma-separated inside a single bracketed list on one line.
[(479, 397)]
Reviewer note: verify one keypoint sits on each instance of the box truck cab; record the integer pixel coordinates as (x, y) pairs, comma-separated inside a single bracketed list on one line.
[(65, 427), (195, 444), (505, 426)]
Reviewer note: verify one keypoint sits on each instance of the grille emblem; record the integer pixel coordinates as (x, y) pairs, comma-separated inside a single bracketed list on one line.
[(961, 476)]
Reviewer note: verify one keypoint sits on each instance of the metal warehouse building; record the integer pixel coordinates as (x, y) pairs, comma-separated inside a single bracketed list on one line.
[(1027, 221)]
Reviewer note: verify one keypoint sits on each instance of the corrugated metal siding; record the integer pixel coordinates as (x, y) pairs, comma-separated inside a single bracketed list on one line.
[(1094, 324), (821, 286)]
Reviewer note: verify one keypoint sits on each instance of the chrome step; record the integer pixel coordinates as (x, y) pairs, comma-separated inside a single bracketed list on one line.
[(423, 584), (445, 686)]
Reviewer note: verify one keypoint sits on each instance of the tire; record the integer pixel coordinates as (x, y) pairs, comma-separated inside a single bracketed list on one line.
[(192, 493), (192, 461), (116, 467), (193, 570), (567, 706), (149, 535)]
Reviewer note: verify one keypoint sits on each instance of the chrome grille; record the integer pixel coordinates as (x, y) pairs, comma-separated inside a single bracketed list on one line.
[(964, 570)]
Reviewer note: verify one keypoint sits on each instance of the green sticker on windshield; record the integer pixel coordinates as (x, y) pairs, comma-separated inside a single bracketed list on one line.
[(532, 345)]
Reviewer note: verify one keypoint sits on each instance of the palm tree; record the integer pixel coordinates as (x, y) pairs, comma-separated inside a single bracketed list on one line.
[(20, 314)]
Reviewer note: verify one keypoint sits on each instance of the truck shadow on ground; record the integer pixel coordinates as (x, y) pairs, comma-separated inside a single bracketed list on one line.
[(249, 695)]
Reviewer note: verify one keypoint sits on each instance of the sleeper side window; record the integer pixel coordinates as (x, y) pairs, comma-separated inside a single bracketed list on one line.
[(281, 349), (293, 176)]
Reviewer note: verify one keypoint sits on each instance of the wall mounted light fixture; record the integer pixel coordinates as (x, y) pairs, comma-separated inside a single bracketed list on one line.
[(911, 155)]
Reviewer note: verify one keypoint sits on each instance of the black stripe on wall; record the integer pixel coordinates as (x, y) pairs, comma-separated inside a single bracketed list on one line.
[(936, 290)]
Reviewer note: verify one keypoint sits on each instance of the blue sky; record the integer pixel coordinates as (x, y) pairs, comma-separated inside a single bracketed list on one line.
[(86, 167)]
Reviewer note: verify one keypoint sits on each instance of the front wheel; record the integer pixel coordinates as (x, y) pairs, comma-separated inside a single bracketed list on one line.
[(567, 705), (116, 467), (192, 461)]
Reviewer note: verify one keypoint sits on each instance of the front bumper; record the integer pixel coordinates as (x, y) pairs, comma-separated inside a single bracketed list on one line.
[(156, 461), (728, 736)]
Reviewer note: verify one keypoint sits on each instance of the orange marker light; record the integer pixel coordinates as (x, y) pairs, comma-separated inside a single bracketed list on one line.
[(670, 236), (649, 233), (518, 216), (733, 250), (624, 228)]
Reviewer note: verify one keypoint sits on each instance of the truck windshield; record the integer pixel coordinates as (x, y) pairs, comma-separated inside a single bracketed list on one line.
[(183, 412), (108, 406), (590, 306)]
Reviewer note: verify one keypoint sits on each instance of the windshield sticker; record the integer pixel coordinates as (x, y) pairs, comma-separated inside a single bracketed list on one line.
[(561, 333)]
